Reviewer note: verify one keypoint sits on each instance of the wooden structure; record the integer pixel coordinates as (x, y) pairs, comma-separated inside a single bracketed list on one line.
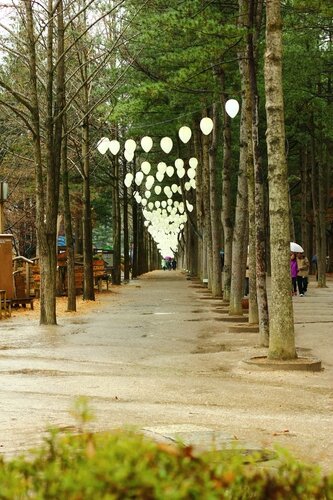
[(23, 282), (5, 305), (6, 265)]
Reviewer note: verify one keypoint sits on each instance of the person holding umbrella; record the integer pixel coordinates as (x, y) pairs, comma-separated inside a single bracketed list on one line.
[(293, 273), (303, 266)]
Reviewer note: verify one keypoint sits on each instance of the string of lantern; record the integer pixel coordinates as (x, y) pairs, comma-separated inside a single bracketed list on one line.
[(164, 218)]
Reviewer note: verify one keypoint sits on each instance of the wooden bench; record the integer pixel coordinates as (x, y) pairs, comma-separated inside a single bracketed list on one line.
[(5, 305), (23, 302)]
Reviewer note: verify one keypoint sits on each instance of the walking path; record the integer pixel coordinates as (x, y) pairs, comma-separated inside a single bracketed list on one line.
[(155, 354)]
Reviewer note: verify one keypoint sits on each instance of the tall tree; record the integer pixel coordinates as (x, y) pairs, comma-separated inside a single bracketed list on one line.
[(282, 336)]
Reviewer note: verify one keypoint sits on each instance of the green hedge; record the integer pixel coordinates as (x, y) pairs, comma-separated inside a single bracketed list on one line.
[(125, 465)]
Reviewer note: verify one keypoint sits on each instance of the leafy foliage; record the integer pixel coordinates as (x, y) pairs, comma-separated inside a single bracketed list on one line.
[(122, 465)]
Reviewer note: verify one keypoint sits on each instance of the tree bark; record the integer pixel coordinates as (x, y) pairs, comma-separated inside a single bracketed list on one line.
[(282, 336), (216, 276), (260, 243), (226, 215), (240, 234)]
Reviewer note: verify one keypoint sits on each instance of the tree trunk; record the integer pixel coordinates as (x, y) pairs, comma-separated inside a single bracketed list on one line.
[(261, 296), (125, 227), (282, 337), (88, 277), (226, 195), (304, 198), (207, 228), (216, 282), (116, 224), (71, 289), (239, 243)]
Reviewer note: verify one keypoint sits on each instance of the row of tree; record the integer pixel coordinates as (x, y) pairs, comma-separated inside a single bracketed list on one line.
[(72, 72)]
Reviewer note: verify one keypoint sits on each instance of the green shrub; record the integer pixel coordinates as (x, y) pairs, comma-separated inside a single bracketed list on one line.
[(126, 465)]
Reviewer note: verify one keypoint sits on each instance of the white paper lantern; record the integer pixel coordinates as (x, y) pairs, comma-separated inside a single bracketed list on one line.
[(193, 162), (185, 134), (189, 206), (193, 183), (103, 145), (146, 143), (232, 107), (187, 186), (163, 204), (174, 188), (166, 189), (160, 176), (191, 173), (114, 147), (170, 171), (150, 181), (158, 190), (179, 163), (138, 178), (144, 202), (150, 205), (181, 172), (170, 202), (145, 167), (130, 145), (147, 194), (129, 155), (206, 125), (166, 144), (128, 179), (157, 203), (161, 167)]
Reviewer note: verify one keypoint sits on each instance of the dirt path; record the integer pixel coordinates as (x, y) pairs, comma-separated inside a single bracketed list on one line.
[(154, 354)]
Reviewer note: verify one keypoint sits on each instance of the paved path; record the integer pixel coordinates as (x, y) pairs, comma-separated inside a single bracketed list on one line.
[(155, 355)]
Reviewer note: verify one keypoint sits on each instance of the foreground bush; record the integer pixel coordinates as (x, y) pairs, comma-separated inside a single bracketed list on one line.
[(126, 465)]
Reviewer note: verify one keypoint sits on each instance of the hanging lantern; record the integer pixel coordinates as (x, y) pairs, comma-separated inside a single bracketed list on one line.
[(103, 145), (157, 189), (129, 155), (128, 179), (130, 145), (161, 167), (206, 125), (189, 206), (185, 134), (170, 171), (166, 144), (191, 173), (145, 167), (150, 181), (138, 178), (146, 143), (193, 162), (179, 163), (160, 176), (174, 188), (232, 107), (181, 172), (114, 147)]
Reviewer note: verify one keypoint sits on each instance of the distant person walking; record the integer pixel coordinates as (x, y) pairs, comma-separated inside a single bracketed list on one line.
[(303, 266), (174, 264), (293, 273)]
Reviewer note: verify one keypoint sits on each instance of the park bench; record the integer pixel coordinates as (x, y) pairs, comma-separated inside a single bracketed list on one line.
[(5, 305)]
